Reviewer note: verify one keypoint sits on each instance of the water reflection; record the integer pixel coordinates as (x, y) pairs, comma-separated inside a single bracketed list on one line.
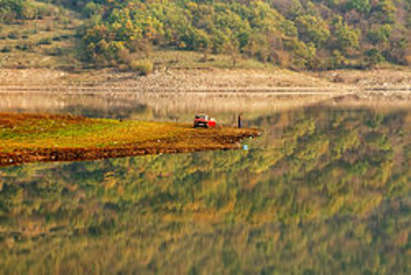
[(324, 190), (156, 106)]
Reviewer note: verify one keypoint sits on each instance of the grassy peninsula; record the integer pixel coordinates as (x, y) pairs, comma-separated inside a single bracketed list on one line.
[(43, 137)]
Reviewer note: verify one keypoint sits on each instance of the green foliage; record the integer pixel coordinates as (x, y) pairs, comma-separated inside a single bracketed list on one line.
[(362, 6), (384, 11), (347, 38), (373, 57), (380, 34), (296, 34), (337, 60), (11, 10), (92, 9), (312, 29)]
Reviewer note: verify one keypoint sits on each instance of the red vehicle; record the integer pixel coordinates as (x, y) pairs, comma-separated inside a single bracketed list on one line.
[(202, 120)]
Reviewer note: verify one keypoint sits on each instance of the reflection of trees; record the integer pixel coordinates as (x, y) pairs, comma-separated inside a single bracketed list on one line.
[(87, 105), (323, 190), (153, 106)]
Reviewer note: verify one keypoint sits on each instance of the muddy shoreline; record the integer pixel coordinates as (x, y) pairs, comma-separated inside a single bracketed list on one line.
[(19, 157)]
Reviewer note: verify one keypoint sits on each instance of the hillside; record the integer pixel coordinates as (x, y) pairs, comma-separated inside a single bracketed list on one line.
[(130, 35)]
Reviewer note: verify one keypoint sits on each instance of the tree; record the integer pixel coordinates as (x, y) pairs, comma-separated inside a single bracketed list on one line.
[(380, 34), (312, 29), (362, 6), (385, 11), (373, 57), (11, 10), (347, 38)]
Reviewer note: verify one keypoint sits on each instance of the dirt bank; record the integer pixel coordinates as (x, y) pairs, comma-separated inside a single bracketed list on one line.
[(173, 80), (211, 79), (221, 142), (375, 79)]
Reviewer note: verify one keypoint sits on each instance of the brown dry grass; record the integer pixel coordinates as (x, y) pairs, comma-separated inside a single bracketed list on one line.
[(46, 42)]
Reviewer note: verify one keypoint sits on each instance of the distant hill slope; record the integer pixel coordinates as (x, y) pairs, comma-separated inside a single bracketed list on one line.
[(299, 34), (38, 35)]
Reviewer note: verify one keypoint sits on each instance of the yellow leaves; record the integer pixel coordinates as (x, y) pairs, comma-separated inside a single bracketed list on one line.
[(314, 149), (368, 203), (192, 6), (193, 207), (335, 205), (129, 25), (109, 180)]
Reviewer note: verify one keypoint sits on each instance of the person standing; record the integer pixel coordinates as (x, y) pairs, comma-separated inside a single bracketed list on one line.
[(239, 121)]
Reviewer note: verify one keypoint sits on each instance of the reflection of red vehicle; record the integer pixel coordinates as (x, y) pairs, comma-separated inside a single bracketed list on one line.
[(204, 121)]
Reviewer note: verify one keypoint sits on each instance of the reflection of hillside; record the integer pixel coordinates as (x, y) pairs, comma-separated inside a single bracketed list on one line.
[(88, 105), (323, 190), (161, 105)]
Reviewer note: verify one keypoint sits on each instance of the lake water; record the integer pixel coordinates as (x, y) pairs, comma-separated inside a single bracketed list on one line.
[(325, 190)]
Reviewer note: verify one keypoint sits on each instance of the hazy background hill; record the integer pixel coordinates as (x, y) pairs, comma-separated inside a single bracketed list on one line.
[(138, 35)]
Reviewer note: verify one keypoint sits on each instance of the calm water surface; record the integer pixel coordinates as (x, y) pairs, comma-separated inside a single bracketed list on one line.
[(324, 190)]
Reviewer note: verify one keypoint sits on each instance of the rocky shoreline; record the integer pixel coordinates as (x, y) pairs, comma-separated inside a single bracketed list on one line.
[(214, 80)]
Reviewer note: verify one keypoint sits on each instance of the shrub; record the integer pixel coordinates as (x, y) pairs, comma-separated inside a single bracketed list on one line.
[(56, 51), (45, 41), (123, 67), (43, 11), (124, 56), (29, 11), (49, 28), (6, 49), (13, 35), (25, 46), (373, 57), (143, 67), (91, 9)]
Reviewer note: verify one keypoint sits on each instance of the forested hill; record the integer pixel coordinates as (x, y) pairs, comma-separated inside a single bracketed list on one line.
[(300, 34)]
